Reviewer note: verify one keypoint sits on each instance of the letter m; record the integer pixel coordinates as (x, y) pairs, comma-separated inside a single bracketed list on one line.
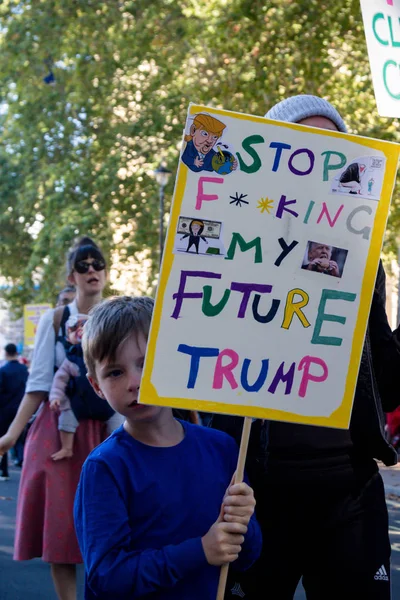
[(244, 246)]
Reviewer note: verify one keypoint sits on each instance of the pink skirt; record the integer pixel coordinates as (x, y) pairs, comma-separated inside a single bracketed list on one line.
[(45, 524)]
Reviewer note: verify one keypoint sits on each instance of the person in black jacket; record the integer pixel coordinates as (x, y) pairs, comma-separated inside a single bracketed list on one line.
[(320, 497), (13, 376)]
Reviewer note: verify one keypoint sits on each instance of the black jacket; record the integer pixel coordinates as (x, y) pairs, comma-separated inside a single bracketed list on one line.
[(378, 381), (13, 376), (377, 391)]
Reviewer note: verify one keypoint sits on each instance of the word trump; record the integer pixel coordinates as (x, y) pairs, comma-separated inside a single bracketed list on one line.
[(312, 368)]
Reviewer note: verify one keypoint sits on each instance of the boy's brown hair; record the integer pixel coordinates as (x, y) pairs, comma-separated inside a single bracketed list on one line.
[(110, 323)]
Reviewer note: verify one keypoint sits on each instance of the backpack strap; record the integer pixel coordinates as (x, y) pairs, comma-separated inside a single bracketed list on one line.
[(60, 317)]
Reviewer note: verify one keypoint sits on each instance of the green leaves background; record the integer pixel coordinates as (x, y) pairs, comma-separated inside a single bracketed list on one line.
[(76, 155)]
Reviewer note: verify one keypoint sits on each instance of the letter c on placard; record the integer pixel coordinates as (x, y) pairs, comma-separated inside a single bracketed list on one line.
[(377, 17), (390, 63)]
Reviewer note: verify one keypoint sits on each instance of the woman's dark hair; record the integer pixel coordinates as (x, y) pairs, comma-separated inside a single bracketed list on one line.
[(84, 248)]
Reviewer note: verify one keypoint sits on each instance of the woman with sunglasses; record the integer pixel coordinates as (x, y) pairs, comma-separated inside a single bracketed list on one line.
[(44, 514)]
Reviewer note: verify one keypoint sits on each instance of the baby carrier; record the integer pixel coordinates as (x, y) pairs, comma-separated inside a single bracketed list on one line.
[(85, 403)]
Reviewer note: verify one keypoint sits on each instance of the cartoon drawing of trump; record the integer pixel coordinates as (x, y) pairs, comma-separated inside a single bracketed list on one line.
[(199, 154)]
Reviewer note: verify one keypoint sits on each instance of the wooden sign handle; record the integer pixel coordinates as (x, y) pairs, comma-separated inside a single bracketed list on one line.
[(238, 479)]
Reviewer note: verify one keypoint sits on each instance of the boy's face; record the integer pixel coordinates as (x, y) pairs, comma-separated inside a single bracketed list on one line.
[(118, 382)]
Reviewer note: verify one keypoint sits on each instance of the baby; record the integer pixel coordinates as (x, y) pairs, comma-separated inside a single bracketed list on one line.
[(71, 394)]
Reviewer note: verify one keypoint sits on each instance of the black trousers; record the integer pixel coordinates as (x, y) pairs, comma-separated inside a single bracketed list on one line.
[(4, 465), (336, 542), (4, 459)]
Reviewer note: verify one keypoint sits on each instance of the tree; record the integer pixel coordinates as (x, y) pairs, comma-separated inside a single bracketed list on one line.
[(95, 94)]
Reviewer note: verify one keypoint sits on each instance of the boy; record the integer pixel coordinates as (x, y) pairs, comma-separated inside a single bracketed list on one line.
[(148, 511)]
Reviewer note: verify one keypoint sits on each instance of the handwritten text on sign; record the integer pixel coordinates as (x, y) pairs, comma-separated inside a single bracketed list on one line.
[(382, 31), (269, 267)]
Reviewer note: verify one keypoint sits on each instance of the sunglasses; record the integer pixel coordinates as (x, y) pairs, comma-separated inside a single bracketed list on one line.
[(83, 266)]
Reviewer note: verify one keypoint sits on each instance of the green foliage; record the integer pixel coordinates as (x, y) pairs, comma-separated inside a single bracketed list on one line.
[(76, 154)]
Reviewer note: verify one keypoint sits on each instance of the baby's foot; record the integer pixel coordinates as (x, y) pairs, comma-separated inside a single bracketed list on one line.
[(63, 453)]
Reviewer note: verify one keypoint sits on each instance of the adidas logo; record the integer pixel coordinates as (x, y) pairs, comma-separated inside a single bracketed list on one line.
[(237, 591), (381, 574)]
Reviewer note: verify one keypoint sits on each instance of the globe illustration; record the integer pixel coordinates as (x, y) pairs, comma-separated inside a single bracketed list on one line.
[(222, 162)]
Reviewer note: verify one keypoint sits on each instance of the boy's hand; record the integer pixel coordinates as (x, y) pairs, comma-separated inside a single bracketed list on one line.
[(238, 504), (55, 405), (222, 543)]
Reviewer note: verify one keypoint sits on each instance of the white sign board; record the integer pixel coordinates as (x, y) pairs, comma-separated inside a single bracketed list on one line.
[(268, 270), (382, 30)]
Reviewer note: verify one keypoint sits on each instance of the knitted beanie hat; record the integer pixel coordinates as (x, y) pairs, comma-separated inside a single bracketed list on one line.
[(301, 107)]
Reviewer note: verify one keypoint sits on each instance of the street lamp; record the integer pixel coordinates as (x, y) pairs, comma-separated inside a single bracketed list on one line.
[(162, 175)]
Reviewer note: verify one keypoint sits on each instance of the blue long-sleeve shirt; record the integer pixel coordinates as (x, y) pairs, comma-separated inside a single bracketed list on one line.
[(140, 513)]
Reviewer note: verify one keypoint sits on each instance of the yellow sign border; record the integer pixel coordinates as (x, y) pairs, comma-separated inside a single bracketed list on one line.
[(340, 418)]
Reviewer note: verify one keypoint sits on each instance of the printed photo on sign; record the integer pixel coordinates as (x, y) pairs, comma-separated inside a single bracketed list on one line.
[(363, 177), (205, 150), (323, 258), (199, 236)]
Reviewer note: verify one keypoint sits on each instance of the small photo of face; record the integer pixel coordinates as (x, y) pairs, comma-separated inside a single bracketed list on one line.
[(321, 257)]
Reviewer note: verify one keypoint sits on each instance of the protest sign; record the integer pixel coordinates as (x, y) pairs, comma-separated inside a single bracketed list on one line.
[(382, 31), (268, 270), (32, 314)]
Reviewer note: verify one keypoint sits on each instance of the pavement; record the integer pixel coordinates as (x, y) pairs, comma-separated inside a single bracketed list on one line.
[(27, 580), (30, 580)]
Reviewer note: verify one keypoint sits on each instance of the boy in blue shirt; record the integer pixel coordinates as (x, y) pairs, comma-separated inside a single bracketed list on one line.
[(155, 512)]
